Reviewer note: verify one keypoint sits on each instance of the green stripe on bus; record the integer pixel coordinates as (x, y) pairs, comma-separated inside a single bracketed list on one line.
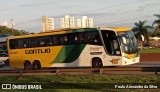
[(75, 53), (63, 54), (69, 53)]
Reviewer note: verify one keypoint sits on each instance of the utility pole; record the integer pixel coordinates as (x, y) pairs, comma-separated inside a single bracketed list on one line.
[(12, 27)]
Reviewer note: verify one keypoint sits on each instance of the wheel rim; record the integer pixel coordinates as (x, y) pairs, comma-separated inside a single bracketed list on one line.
[(35, 66), (98, 64), (27, 66)]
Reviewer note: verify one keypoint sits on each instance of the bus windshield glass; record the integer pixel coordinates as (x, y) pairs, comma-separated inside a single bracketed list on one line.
[(131, 45)]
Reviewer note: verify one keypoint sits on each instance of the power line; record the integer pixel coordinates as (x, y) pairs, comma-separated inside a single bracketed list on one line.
[(125, 19), (80, 13), (108, 7), (137, 10), (94, 10)]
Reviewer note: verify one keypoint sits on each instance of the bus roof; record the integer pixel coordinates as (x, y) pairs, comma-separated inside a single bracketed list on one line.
[(69, 30), (118, 29), (90, 29)]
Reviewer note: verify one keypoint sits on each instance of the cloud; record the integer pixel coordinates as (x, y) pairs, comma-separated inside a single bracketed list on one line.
[(39, 3), (69, 6), (148, 6), (8, 24), (98, 14), (5, 23), (109, 22)]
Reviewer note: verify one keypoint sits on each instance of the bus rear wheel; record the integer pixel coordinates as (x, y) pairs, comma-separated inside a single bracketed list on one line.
[(97, 63), (27, 65), (36, 65)]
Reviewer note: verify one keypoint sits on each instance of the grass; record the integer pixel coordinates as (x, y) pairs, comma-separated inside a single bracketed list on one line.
[(75, 81), (82, 79), (150, 50)]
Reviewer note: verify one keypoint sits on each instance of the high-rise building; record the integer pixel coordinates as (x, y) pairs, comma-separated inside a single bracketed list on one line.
[(79, 22), (89, 22), (85, 22), (47, 23), (67, 22), (62, 21)]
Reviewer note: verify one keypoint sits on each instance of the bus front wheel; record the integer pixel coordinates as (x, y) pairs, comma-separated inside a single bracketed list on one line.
[(27, 65), (97, 63)]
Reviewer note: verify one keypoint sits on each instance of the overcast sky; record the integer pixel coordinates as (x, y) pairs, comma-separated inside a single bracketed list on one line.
[(26, 14)]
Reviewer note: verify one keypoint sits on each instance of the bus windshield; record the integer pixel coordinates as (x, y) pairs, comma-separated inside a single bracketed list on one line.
[(131, 45)]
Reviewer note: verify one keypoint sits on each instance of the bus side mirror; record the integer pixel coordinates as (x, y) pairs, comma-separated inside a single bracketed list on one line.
[(124, 40)]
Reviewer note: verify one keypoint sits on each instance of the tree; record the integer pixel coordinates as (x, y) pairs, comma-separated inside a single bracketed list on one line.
[(5, 30), (141, 29), (157, 22)]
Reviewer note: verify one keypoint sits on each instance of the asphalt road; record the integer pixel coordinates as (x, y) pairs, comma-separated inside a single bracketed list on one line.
[(140, 64), (6, 68), (147, 64)]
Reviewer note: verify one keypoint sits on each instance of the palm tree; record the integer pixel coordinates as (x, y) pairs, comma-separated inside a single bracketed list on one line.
[(157, 22), (141, 29)]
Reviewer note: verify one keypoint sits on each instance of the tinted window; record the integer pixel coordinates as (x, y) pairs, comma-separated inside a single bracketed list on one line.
[(45, 41), (55, 40), (93, 38), (13, 44), (77, 38), (23, 43), (33, 42), (111, 42)]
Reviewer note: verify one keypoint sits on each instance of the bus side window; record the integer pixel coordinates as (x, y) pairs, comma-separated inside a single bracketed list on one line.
[(33, 42), (25, 43), (71, 39), (65, 40), (76, 39), (114, 47), (22, 43), (111, 42), (55, 40), (81, 38), (45, 41), (93, 38), (61, 40), (87, 38), (13, 44)]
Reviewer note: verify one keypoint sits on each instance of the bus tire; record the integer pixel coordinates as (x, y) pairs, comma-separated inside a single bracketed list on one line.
[(97, 63), (27, 65), (36, 65)]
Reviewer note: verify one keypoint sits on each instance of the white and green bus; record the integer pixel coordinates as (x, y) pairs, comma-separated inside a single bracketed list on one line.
[(82, 47)]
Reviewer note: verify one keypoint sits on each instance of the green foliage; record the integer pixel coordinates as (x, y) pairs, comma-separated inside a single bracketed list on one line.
[(142, 29), (150, 50), (86, 81), (5, 30), (82, 79), (157, 22)]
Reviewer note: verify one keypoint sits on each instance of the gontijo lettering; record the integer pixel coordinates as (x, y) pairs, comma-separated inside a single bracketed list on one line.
[(37, 51)]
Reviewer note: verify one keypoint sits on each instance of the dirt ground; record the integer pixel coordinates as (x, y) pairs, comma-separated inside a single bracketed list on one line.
[(149, 57)]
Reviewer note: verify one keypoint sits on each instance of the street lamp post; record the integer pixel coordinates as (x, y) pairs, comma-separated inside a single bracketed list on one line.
[(12, 27)]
